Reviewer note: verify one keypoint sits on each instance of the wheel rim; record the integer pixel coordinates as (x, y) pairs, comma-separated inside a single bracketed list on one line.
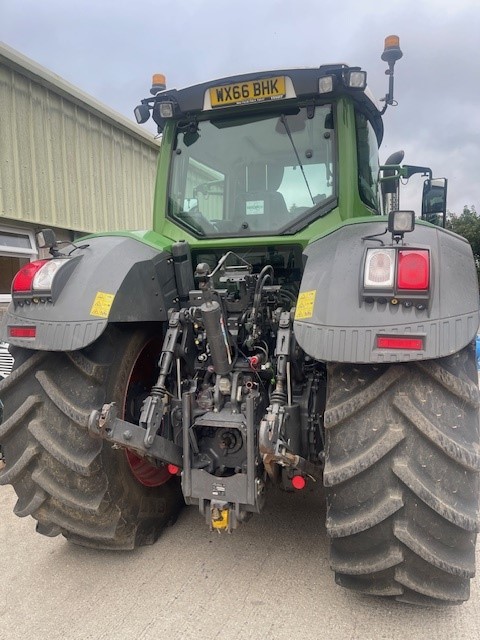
[(142, 377), (147, 474)]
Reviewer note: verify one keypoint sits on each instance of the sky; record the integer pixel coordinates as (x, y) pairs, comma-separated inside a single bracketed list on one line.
[(110, 49)]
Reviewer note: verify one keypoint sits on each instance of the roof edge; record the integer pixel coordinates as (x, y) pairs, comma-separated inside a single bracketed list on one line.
[(43, 76)]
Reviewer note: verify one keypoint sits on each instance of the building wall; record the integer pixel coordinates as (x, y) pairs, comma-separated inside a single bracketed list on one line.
[(65, 159), (66, 162)]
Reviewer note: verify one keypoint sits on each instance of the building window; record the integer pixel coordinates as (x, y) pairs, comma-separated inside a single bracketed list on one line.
[(17, 247)]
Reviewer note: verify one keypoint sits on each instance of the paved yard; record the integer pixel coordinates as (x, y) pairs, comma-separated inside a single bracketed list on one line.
[(268, 581)]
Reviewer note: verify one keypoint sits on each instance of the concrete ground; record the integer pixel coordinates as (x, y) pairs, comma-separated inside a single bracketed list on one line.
[(270, 580)]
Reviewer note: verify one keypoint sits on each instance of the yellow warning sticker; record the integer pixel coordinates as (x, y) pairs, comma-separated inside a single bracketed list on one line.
[(102, 304), (305, 303)]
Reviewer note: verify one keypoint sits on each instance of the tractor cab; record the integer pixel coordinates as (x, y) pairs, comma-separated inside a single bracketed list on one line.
[(262, 155)]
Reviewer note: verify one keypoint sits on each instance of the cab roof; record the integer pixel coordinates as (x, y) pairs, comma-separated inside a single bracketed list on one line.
[(299, 84)]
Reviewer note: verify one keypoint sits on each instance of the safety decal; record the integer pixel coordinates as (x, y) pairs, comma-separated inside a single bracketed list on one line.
[(305, 303), (102, 304)]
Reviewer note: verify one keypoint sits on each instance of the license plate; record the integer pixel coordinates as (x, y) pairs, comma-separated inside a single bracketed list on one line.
[(248, 92)]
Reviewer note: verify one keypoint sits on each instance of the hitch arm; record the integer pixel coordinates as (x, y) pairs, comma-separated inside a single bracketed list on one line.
[(108, 426)]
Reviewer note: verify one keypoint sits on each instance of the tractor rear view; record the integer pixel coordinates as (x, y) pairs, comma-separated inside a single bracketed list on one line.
[(282, 323)]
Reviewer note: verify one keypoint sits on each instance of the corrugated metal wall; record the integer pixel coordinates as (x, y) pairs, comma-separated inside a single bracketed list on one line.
[(65, 159)]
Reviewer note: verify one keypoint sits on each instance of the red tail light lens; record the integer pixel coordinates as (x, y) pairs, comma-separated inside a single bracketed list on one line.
[(23, 281), (413, 269), (37, 276)]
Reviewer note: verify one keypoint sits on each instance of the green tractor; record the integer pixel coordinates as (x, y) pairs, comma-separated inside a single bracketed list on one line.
[(284, 322)]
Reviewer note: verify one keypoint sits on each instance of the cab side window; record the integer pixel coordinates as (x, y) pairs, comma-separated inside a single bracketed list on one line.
[(368, 164)]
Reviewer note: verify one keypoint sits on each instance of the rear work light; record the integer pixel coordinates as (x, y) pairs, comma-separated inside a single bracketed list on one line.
[(356, 79), (401, 222), (413, 269), (325, 84), (37, 276)]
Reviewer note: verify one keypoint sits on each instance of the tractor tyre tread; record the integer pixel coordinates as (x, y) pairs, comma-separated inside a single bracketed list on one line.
[(70, 482), (402, 466)]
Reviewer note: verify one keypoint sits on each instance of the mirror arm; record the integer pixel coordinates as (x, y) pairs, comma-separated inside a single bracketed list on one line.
[(390, 172), (408, 170)]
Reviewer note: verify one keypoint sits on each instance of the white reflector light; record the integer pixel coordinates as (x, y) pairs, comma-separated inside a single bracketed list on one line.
[(43, 279), (379, 269)]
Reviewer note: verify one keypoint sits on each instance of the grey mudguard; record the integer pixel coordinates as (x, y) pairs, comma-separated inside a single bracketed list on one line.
[(114, 279), (343, 327)]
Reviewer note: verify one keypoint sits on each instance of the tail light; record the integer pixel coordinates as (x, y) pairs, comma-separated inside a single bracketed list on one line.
[(397, 272), (399, 276), (413, 269), (37, 276), (23, 280)]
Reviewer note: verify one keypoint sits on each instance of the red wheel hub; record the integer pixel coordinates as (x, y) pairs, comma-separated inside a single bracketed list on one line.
[(147, 474)]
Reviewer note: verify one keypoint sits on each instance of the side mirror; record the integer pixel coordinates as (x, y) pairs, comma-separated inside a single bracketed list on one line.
[(434, 201)]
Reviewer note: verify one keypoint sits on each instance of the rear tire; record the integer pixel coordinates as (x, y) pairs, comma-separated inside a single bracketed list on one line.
[(401, 477), (70, 482)]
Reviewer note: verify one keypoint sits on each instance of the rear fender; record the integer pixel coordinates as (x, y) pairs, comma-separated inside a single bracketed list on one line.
[(335, 323), (113, 279)]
